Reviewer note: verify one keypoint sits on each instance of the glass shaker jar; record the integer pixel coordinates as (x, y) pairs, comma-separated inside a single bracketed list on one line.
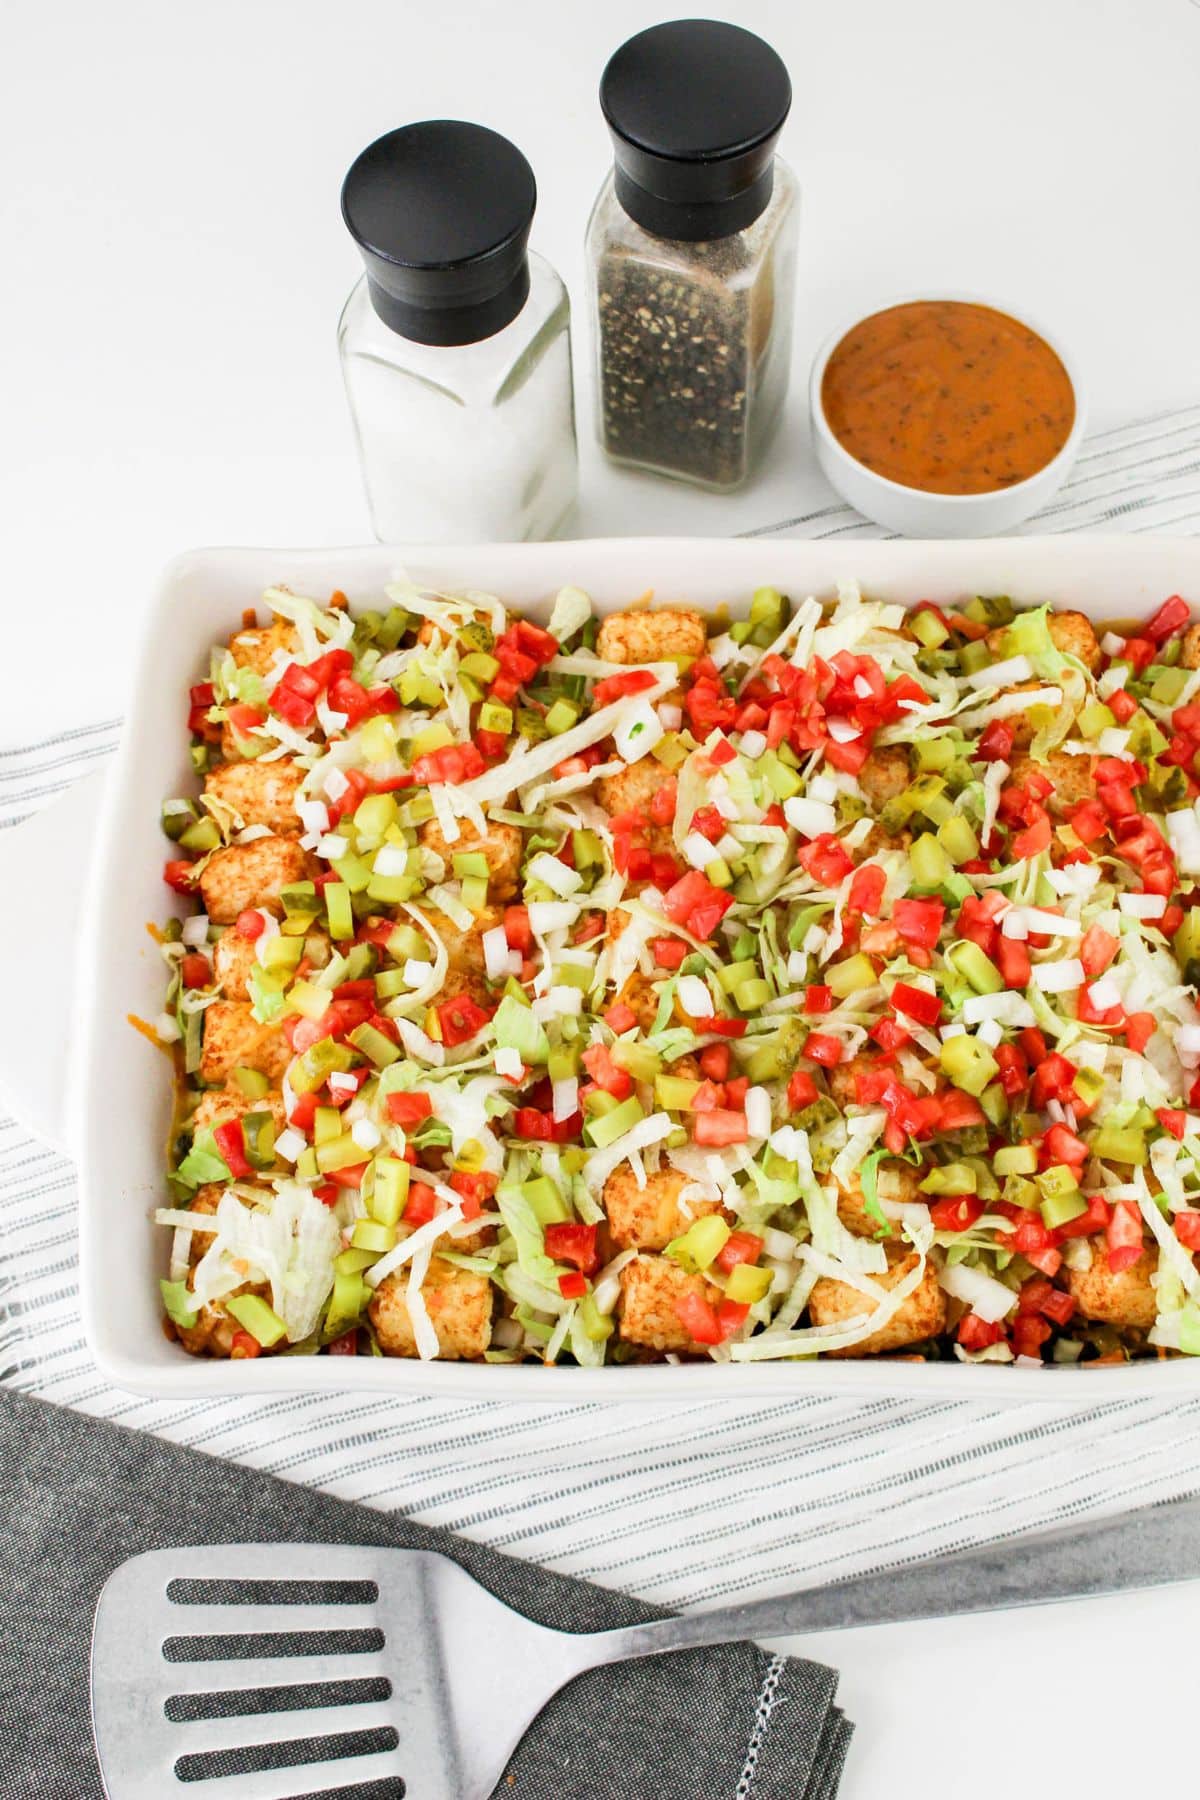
[(692, 252), (455, 344)]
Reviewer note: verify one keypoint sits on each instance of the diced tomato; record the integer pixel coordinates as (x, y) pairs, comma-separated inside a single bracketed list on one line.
[(421, 1204), (620, 1017), (956, 1111), (736, 1089), (732, 1028), (975, 1333), (1172, 1119), (1062, 1146), (574, 1243), (243, 1346), (201, 698), (1096, 1218), (821, 1047), (995, 742), (346, 1345), (1122, 706), (709, 823), (825, 859), (1014, 960), (1097, 950), (1053, 1079), (1033, 840), (349, 1178), (606, 1074), (719, 1128), (890, 1035), (956, 1212), (866, 890), (231, 1147), (1171, 617), (731, 1316), (178, 874), (1014, 1076), (695, 903), (1187, 1229), (619, 687), (251, 924), (1029, 1333), (1089, 821), (460, 1018), (668, 952), (698, 1319), (1124, 1236), (744, 1247), (573, 1286), (304, 1111), (663, 802), (818, 1000), (915, 1003), (195, 970), (242, 718), (801, 1091), (919, 921), (714, 1062), (1139, 1029), (408, 1109)]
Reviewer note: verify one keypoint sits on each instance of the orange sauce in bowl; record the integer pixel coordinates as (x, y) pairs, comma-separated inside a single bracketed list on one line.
[(948, 396)]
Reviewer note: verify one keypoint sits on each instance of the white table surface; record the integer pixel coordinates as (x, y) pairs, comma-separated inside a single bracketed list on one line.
[(174, 264)]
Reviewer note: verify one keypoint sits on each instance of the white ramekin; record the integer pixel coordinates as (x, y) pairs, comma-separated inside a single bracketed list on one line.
[(912, 511)]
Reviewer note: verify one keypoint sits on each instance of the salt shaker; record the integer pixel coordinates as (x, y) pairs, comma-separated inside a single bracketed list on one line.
[(692, 252), (455, 344)]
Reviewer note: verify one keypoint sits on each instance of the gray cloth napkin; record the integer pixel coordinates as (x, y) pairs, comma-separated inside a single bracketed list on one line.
[(79, 1496)]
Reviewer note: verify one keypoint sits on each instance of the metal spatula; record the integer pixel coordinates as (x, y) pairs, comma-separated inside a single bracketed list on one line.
[(271, 1672)]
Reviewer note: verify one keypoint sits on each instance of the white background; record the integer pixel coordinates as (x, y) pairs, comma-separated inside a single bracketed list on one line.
[(173, 264)]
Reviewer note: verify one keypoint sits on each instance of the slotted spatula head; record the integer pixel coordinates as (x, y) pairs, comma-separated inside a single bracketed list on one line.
[(272, 1672)]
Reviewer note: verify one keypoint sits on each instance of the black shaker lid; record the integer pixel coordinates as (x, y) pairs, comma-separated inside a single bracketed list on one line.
[(441, 212), (695, 108)]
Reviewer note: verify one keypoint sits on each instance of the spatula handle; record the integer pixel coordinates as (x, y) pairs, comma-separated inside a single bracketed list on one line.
[(1143, 1549)]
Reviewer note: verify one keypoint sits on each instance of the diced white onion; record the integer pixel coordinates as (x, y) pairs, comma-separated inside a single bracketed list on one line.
[(671, 716), (986, 1296), (314, 814), (195, 931), (1002, 674), (166, 1029), (1187, 1042), (1104, 993), (811, 818), (697, 850), (1183, 829), (1143, 906), (779, 1245), (558, 1003), (1059, 977), (758, 1112), (842, 732), (990, 1033), (366, 1134), (391, 859), (694, 997), (1006, 1008), (566, 1098), (546, 916), (752, 744), (336, 783), (822, 787), (507, 1062), (498, 960), (1114, 742), (1029, 921), (638, 732), (554, 874), (1111, 644), (342, 1083), (291, 1144), (332, 847), (416, 971)]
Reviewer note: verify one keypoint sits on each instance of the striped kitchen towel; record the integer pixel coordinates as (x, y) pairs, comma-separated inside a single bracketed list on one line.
[(677, 1505)]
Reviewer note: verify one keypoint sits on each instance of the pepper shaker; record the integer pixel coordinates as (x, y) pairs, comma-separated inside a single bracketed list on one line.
[(692, 251), (455, 344)]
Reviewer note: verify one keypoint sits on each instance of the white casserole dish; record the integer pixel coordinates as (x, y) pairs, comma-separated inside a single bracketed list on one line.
[(120, 1093)]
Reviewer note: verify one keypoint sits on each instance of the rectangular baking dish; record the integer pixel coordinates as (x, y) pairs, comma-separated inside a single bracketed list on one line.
[(121, 1104)]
